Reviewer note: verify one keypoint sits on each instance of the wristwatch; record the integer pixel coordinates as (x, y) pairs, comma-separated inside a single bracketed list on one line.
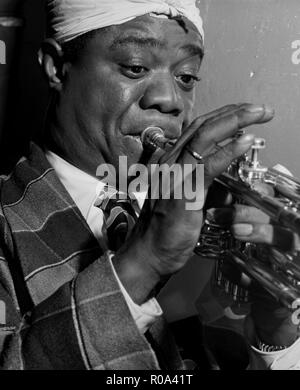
[(269, 348)]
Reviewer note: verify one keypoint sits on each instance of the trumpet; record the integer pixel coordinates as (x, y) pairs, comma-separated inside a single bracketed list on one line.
[(276, 271)]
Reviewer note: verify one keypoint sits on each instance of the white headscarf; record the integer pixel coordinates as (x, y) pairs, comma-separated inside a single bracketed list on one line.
[(72, 18)]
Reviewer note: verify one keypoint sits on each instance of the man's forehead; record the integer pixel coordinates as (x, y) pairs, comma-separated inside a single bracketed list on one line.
[(158, 30)]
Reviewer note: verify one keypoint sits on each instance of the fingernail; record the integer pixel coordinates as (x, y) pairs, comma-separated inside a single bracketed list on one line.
[(269, 110), (242, 229), (246, 139), (255, 109)]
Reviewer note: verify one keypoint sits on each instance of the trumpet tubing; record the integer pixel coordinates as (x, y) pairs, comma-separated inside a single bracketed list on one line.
[(280, 273), (286, 214)]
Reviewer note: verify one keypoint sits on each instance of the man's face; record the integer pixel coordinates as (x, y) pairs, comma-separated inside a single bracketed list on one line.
[(139, 74)]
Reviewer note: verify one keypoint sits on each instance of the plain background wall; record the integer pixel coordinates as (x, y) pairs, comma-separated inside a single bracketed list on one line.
[(28, 90), (248, 58)]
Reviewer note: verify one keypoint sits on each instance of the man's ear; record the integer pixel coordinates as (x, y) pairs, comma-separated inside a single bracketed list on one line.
[(50, 57)]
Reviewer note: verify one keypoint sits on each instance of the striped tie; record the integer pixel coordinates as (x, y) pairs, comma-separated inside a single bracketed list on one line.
[(119, 216)]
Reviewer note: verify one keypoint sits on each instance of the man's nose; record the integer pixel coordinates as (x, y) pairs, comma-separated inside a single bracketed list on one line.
[(163, 95)]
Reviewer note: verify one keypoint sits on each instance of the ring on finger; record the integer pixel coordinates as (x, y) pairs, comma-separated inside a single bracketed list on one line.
[(194, 154)]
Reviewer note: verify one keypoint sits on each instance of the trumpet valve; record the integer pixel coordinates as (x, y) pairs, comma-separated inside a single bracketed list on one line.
[(251, 170), (259, 144)]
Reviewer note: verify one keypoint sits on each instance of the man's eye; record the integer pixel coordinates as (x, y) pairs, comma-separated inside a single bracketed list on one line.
[(188, 80), (134, 71)]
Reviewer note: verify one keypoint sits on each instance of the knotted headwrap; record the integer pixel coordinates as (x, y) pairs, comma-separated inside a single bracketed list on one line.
[(72, 18)]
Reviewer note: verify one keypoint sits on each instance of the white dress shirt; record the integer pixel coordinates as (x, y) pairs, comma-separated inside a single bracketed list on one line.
[(85, 189)]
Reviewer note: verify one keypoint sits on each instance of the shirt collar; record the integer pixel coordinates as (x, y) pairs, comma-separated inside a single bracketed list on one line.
[(83, 188)]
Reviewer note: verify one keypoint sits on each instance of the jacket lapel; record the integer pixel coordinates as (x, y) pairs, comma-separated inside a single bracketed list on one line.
[(49, 241), (50, 238)]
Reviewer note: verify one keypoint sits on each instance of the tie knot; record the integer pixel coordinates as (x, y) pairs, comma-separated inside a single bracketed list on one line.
[(119, 215)]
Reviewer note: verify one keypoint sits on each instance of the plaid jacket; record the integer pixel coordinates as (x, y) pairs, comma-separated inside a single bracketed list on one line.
[(60, 304)]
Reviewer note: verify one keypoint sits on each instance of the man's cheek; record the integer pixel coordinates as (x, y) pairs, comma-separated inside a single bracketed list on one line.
[(117, 103)]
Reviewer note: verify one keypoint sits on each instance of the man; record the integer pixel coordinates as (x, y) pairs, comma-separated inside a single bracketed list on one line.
[(116, 68)]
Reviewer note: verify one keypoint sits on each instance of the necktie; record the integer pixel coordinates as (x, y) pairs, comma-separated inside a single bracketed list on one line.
[(119, 216)]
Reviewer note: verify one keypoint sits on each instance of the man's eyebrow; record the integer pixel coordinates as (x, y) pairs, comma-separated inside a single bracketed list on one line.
[(190, 48), (135, 40), (193, 50)]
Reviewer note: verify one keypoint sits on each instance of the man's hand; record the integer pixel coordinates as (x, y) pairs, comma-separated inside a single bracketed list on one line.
[(274, 323), (166, 232)]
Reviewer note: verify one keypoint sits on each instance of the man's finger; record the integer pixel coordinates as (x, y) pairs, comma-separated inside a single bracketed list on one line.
[(281, 238), (188, 133), (225, 126), (249, 214), (218, 162), (239, 214), (217, 126)]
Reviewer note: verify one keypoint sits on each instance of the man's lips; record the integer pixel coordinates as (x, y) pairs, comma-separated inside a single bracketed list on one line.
[(172, 129), (136, 138), (149, 155)]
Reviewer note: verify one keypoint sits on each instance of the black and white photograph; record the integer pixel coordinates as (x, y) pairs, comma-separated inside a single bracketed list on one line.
[(150, 188)]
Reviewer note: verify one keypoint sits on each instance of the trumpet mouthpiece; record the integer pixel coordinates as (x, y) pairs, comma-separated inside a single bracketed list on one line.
[(151, 135)]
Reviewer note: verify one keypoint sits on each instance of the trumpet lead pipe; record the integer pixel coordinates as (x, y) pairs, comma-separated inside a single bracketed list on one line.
[(277, 285)]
